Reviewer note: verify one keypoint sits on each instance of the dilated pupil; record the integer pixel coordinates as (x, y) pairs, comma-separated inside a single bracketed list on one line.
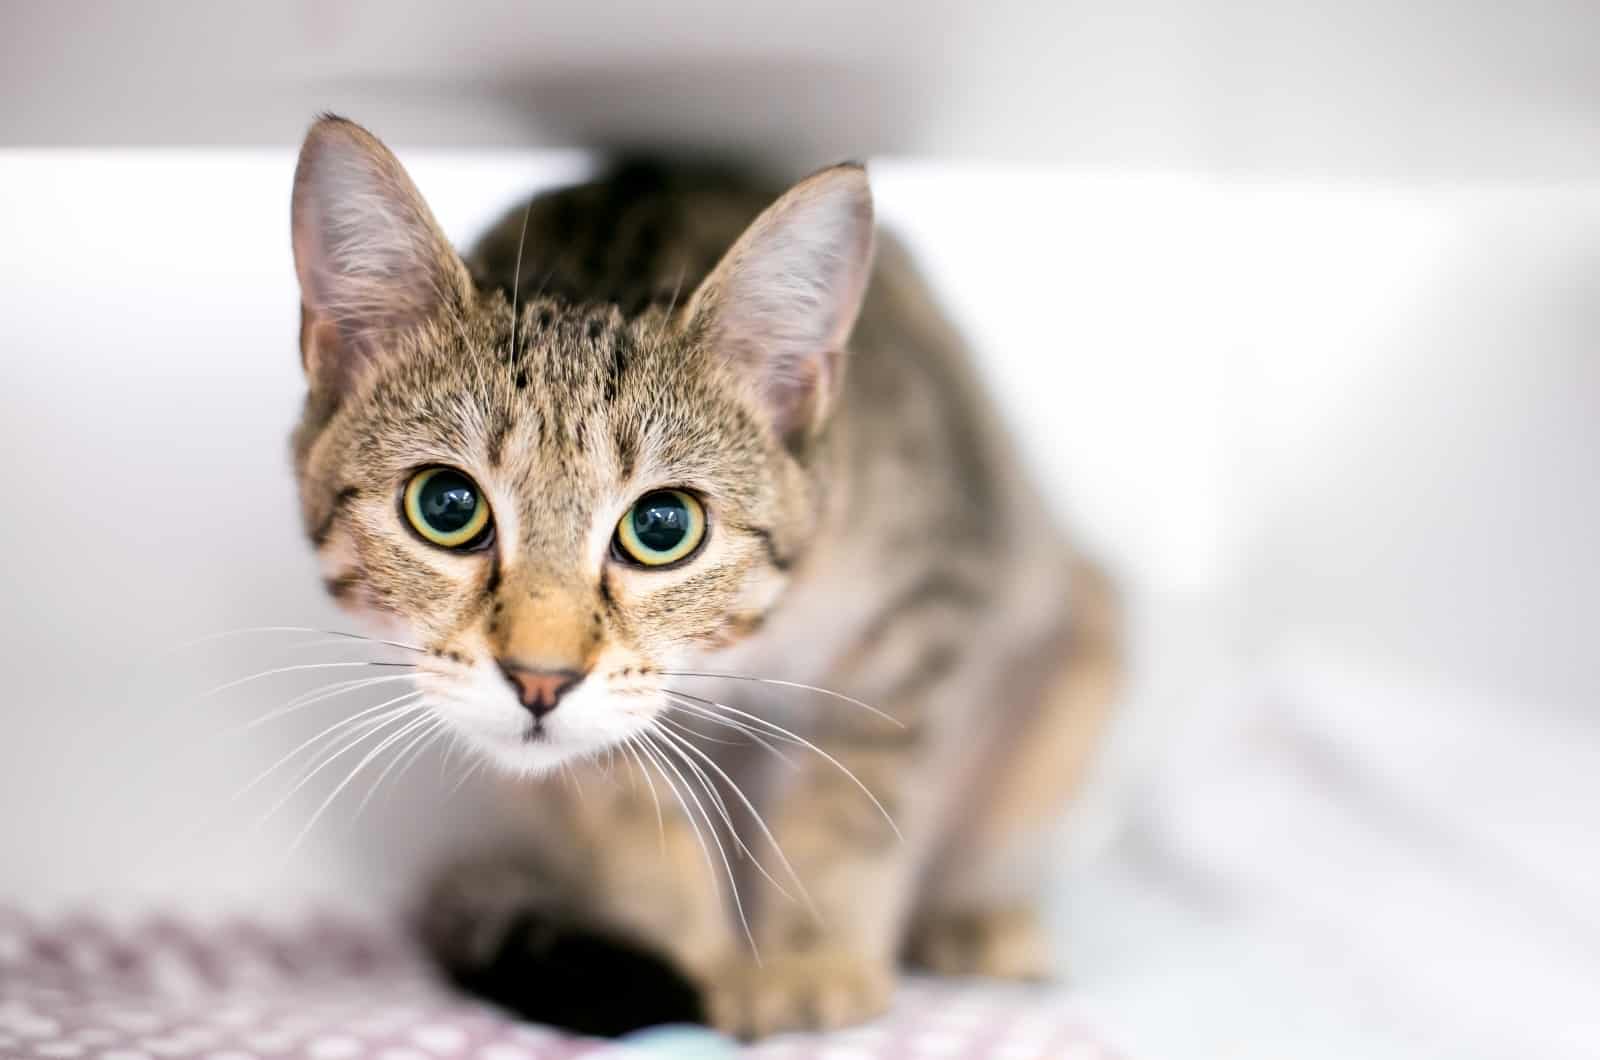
[(448, 502), (660, 522)]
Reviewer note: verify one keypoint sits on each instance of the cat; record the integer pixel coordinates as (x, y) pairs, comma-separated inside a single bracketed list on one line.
[(670, 423)]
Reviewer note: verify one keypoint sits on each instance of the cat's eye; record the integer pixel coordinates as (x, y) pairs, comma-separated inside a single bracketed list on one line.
[(446, 508), (661, 528)]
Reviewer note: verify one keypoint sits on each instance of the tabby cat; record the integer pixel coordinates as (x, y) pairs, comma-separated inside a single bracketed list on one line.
[(670, 424)]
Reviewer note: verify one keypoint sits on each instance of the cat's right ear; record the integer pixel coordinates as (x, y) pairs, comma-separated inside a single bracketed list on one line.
[(371, 259)]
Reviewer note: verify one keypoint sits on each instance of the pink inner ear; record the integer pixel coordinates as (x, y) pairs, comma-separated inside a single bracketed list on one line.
[(371, 260), (784, 299)]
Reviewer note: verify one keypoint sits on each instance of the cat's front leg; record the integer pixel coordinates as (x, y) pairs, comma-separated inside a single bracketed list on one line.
[(600, 916), (830, 962)]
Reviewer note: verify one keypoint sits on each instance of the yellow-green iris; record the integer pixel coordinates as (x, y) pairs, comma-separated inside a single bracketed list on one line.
[(662, 527), (446, 508)]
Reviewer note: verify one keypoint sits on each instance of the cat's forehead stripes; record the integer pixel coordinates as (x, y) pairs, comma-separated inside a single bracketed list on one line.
[(566, 385), (638, 240)]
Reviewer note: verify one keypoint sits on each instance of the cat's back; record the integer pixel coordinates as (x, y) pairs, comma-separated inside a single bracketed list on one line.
[(640, 235)]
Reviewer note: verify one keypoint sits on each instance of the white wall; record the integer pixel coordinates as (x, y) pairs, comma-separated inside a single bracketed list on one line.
[(1364, 89), (1319, 429)]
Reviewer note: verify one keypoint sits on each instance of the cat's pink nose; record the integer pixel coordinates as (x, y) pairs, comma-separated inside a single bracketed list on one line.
[(539, 690)]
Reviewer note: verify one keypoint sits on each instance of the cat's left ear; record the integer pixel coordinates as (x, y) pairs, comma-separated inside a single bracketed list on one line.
[(371, 259), (781, 303)]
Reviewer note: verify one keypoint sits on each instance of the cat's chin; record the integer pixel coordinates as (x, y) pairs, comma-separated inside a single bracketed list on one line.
[(532, 756), (533, 760), (491, 722)]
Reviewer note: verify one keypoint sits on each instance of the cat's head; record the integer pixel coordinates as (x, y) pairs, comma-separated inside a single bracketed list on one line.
[(558, 507)]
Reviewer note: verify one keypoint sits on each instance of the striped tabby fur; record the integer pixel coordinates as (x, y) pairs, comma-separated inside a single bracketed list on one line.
[(870, 533)]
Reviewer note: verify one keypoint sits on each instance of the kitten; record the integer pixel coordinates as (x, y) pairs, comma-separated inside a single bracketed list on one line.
[(668, 424)]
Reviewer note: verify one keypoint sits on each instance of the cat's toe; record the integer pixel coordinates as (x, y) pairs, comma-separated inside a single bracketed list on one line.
[(1002, 943), (821, 989)]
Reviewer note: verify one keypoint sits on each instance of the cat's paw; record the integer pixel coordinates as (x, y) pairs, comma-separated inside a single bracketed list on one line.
[(1003, 943), (819, 989), (503, 931), (474, 905)]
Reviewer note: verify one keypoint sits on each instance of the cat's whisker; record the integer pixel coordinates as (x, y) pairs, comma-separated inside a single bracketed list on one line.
[(318, 695), (347, 737), (452, 749), (698, 712), (417, 745), (760, 823), (749, 732), (323, 735), (410, 726), (253, 630), (470, 767), (325, 642), (544, 283), (569, 777), (295, 668), (516, 280), (779, 730), (399, 710), (649, 752), (716, 798), (336, 746), (677, 288), (733, 884), (791, 684), (440, 734), (661, 827), (681, 727), (332, 732)]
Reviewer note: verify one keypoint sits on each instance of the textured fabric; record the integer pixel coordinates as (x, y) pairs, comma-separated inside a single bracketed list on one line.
[(327, 990)]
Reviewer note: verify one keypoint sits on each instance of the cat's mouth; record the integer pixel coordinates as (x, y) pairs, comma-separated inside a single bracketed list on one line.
[(480, 706)]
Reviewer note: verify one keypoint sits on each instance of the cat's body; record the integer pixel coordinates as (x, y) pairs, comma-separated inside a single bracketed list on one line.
[(876, 539)]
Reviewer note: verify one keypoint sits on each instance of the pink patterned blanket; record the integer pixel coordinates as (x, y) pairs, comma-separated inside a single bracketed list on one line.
[(165, 989)]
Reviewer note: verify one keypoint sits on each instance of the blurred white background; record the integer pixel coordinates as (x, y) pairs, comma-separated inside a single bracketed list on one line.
[(1294, 309)]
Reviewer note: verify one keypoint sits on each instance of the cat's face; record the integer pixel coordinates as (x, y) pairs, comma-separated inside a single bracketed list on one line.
[(557, 516)]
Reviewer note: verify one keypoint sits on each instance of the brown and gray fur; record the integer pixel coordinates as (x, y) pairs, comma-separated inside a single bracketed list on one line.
[(871, 533)]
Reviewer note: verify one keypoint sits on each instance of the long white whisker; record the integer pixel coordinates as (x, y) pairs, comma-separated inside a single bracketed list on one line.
[(400, 756), (294, 668), (404, 730), (577, 784), (760, 823), (669, 753), (227, 633), (716, 800), (401, 714), (318, 695), (733, 885), (324, 734), (696, 711), (452, 749), (331, 732), (661, 827), (790, 684), (655, 759), (353, 732), (467, 770), (685, 728), (781, 731)]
